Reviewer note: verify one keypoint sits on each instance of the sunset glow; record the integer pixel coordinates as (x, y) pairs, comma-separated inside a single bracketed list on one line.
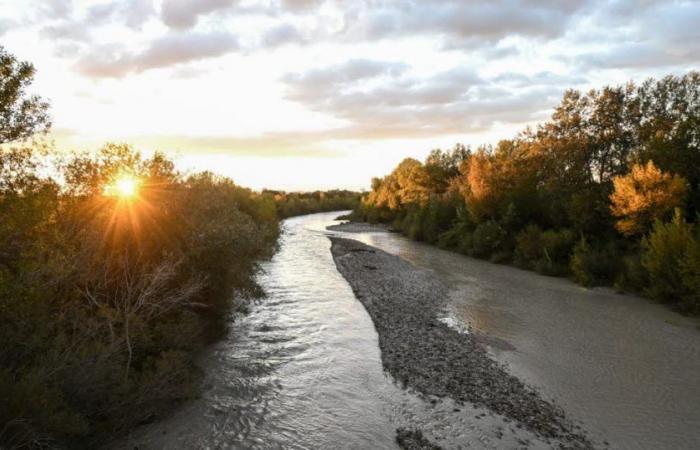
[(340, 91), (125, 187)]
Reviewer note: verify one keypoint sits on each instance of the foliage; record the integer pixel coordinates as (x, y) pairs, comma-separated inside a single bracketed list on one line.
[(585, 175), (290, 204), (644, 195), (487, 238), (104, 300), (670, 256), (546, 252), (21, 115), (594, 265)]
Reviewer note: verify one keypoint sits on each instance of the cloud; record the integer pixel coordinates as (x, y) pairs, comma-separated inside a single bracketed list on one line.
[(6, 25), (56, 9), (631, 55), (648, 34), (183, 14), (322, 82), (382, 100), (78, 29), (520, 80), (169, 50), (66, 31), (461, 21), (281, 35), (300, 5)]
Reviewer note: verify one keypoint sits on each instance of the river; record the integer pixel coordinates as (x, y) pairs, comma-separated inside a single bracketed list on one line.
[(302, 369)]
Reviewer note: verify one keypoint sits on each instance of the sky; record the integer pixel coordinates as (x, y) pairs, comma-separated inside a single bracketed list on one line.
[(319, 94)]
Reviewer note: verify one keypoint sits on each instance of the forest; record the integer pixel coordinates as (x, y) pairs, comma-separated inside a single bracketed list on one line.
[(606, 192), (298, 203), (116, 270)]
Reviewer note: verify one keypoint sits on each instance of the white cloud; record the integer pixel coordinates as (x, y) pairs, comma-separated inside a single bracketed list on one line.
[(182, 14), (389, 74), (171, 49)]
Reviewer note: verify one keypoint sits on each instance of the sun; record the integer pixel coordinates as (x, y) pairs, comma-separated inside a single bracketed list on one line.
[(125, 186)]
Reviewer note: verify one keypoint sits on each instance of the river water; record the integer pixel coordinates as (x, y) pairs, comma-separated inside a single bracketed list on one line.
[(303, 368)]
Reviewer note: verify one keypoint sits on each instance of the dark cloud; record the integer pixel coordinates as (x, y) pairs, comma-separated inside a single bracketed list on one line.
[(169, 50), (182, 14)]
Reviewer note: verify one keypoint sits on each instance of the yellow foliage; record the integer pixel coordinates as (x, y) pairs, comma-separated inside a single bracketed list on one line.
[(644, 195), (407, 184)]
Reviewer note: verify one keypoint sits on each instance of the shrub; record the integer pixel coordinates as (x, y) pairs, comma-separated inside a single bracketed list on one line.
[(594, 265), (633, 276), (529, 246), (557, 245), (487, 239), (547, 252), (690, 270), (669, 254)]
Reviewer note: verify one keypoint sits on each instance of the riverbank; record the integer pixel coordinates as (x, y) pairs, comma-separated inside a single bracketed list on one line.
[(426, 355)]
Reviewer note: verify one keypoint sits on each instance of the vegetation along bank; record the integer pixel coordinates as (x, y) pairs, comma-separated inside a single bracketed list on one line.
[(606, 192)]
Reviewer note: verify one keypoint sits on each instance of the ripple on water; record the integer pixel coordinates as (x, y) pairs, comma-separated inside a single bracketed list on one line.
[(303, 371)]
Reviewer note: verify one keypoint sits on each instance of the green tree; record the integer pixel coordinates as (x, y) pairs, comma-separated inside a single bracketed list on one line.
[(21, 115)]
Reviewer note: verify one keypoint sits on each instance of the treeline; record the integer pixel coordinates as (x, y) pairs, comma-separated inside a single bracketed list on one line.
[(607, 191), (105, 300), (290, 204)]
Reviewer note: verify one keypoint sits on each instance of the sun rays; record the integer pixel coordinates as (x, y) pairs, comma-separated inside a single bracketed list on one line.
[(125, 186)]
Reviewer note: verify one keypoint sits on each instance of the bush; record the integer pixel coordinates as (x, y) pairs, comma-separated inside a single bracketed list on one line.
[(487, 239), (670, 256), (633, 277), (557, 245), (529, 247), (546, 252), (690, 269), (593, 265)]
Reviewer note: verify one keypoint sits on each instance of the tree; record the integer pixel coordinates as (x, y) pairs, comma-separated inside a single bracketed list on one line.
[(643, 196), (21, 115)]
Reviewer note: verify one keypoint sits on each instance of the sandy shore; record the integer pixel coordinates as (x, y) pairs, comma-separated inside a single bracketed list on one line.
[(426, 355)]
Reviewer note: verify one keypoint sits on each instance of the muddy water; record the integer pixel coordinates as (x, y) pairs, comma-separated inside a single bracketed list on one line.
[(302, 370), (627, 368)]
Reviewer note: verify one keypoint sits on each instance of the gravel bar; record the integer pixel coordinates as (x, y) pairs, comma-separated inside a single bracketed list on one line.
[(426, 355)]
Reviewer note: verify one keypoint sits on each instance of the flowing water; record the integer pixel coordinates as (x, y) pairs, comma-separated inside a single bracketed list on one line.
[(303, 368), (628, 368)]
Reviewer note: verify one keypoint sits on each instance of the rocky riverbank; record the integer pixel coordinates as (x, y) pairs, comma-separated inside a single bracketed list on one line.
[(426, 355), (359, 227)]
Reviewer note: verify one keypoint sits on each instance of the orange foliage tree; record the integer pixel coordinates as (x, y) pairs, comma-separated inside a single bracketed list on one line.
[(644, 195)]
